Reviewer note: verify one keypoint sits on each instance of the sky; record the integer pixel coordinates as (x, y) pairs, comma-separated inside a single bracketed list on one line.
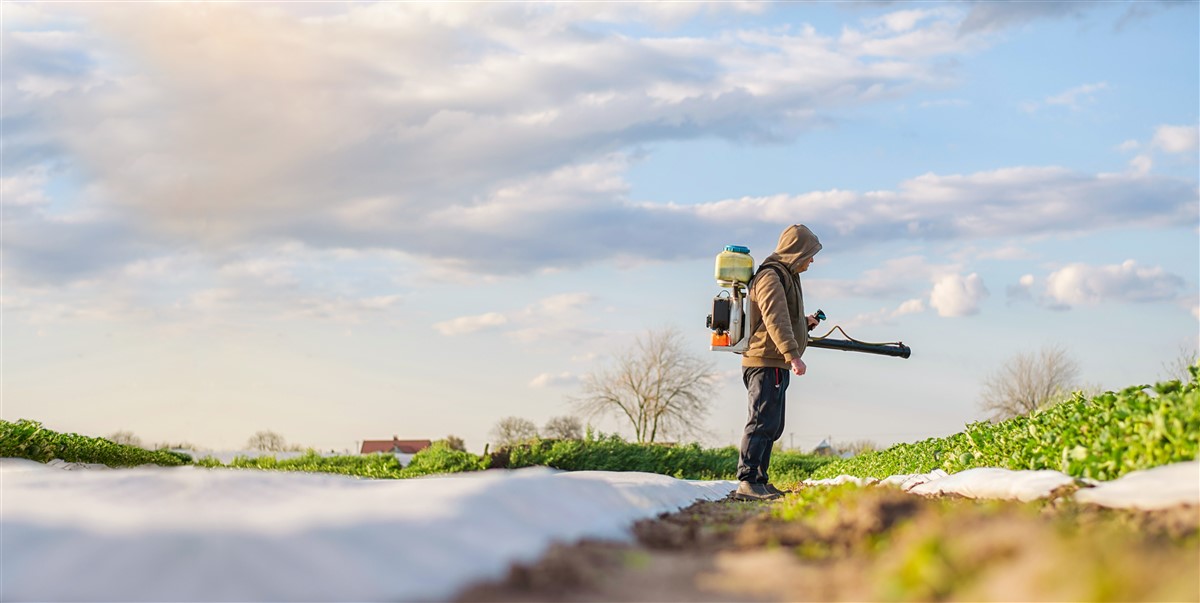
[(348, 221)]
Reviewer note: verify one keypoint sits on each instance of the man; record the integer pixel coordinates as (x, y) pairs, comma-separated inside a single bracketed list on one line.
[(776, 344)]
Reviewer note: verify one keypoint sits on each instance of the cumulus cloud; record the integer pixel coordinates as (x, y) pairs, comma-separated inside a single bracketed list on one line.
[(1084, 284), (220, 124), (1004, 203), (1072, 98), (565, 302), (1177, 139), (1022, 290), (554, 380), (477, 146), (912, 306), (1141, 165), (887, 316), (1129, 145), (993, 16), (944, 102), (26, 188), (261, 129), (558, 317), (470, 324), (897, 276), (957, 295), (985, 17)]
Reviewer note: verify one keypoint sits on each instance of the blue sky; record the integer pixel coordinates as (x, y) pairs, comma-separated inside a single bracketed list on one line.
[(355, 221)]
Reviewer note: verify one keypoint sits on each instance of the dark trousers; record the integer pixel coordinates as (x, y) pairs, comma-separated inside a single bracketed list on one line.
[(765, 388)]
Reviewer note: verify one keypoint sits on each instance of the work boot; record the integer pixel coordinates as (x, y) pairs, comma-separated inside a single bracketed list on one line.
[(771, 487), (753, 491)]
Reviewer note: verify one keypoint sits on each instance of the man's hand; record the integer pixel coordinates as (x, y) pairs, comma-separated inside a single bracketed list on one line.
[(798, 367), (812, 321)]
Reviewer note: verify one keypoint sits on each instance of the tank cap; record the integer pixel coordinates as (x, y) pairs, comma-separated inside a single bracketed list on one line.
[(737, 249)]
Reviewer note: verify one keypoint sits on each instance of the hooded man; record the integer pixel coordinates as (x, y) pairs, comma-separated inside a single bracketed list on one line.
[(776, 344)]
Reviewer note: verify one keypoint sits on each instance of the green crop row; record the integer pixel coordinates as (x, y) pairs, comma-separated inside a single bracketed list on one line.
[(438, 458), (688, 461), (606, 453), (1100, 437), (29, 440)]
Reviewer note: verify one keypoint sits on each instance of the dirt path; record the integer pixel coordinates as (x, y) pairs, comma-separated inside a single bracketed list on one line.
[(865, 544)]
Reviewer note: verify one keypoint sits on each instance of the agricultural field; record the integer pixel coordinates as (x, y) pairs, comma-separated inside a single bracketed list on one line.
[(852, 543), (601, 519)]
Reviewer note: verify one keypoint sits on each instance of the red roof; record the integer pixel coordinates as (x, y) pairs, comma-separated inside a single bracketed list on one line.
[(394, 445)]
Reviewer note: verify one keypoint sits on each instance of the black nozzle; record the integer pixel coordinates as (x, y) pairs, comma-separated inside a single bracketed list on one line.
[(898, 350)]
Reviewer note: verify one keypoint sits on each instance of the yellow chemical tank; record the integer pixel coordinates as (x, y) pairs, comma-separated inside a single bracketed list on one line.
[(734, 265)]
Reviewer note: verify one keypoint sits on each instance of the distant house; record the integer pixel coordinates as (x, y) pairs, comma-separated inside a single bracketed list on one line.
[(394, 446)]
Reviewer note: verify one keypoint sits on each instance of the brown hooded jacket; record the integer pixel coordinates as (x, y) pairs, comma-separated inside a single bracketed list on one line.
[(777, 305)]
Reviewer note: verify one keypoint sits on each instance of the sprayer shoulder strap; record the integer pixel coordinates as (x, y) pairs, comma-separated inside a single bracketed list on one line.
[(778, 270)]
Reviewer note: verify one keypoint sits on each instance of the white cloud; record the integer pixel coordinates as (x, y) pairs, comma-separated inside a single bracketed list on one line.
[(25, 188), (470, 324), (1072, 97), (477, 147), (1083, 284), (912, 306), (1021, 291), (554, 380), (957, 295), (565, 302), (1004, 203), (1177, 139), (1141, 165), (993, 16), (904, 20), (897, 276), (557, 317), (886, 316), (944, 102), (469, 108), (1009, 252), (465, 101), (1129, 145)]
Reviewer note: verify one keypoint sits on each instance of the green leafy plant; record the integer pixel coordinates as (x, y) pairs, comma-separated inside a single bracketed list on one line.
[(29, 440), (1100, 437), (688, 461), (438, 458)]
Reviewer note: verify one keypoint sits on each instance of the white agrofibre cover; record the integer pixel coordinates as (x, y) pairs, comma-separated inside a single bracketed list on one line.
[(194, 534), (1157, 488), (1163, 487)]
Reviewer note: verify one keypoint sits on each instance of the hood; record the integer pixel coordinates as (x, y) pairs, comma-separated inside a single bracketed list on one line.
[(796, 244)]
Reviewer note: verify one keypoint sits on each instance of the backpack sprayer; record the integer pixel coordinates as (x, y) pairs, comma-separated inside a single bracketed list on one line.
[(731, 326)]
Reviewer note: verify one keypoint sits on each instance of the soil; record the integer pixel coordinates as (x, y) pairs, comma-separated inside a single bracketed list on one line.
[(874, 544)]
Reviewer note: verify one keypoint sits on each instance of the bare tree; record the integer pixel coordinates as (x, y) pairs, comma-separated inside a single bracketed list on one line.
[(656, 385), (454, 442), (1029, 382), (126, 438), (563, 428), (1177, 367), (267, 441), (513, 430), (856, 447)]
